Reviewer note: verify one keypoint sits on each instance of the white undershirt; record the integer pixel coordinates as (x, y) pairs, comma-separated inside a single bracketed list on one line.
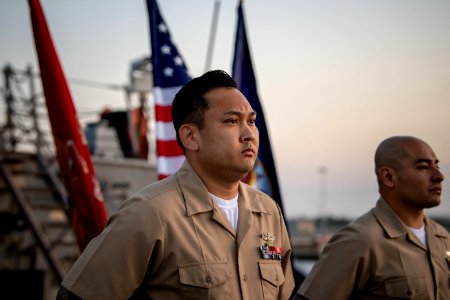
[(421, 234), (229, 207)]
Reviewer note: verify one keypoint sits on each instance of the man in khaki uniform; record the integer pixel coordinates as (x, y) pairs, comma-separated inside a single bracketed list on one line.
[(394, 251), (197, 234)]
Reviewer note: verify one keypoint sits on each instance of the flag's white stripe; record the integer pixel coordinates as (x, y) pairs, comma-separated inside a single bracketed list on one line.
[(165, 131), (164, 96), (169, 165)]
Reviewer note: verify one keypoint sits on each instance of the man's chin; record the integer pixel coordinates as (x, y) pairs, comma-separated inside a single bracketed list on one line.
[(433, 203), (247, 175)]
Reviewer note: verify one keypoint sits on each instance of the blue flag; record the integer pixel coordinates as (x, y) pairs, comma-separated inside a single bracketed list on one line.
[(169, 75), (264, 174)]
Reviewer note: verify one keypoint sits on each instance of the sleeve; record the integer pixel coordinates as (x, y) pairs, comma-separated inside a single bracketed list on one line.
[(342, 268), (289, 284), (115, 263)]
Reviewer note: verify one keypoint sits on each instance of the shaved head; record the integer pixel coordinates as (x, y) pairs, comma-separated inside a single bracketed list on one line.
[(409, 178), (392, 150)]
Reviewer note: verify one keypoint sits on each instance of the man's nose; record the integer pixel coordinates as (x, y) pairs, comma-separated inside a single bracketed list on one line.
[(438, 176), (249, 132)]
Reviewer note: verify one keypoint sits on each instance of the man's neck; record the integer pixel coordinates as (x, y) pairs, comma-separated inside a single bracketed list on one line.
[(222, 190), (220, 187), (412, 217), (217, 182), (416, 221)]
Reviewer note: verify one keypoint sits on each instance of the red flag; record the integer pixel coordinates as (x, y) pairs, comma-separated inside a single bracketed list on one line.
[(85, 197)]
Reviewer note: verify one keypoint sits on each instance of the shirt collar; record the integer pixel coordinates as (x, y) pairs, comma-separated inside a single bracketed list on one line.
[(389, 220), (393, 225), (197, 198)]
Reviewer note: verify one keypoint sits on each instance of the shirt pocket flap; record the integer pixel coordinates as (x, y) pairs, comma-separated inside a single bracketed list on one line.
[(204, 274), (405, 288), (272, 272)]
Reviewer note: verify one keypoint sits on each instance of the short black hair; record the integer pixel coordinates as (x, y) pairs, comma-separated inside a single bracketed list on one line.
[(189, 104)]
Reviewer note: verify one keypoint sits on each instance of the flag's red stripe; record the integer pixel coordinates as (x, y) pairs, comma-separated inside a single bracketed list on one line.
[(163, 113), (168, 148)]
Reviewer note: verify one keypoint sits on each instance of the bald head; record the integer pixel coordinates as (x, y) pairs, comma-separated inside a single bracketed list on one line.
[(409, 178), (392, 150)]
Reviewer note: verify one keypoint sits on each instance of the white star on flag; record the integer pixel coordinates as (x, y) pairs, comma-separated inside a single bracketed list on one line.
[(168, 72), (162, 27), (178, 60), (165, 50)]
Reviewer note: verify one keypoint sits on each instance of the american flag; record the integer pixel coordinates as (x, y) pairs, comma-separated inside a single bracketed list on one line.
[(169, 75)]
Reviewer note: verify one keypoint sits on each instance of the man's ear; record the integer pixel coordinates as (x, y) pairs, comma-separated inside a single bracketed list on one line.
[(388, 177), (188, 136)]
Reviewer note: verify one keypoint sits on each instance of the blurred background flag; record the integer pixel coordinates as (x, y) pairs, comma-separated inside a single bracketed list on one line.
[(264, 175), (169, 75), (88, 215)]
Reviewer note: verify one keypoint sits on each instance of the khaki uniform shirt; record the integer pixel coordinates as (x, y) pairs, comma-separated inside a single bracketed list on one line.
[(377, 257), (171, 241)]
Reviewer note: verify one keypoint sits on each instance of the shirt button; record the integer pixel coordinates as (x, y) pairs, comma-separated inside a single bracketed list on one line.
[(408, 292), (276, 278), (208, 279), (245, 277)]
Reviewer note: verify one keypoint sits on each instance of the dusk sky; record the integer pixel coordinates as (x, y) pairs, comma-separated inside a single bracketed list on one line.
[(335, 77)]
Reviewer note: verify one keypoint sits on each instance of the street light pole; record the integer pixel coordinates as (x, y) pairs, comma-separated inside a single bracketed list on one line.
[(322, 196)]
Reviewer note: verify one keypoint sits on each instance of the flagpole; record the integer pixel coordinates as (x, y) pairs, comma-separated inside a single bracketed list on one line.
[(212, 35)]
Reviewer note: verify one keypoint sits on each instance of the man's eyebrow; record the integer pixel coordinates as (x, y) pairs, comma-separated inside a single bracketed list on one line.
[(426, 160), (239, 114)]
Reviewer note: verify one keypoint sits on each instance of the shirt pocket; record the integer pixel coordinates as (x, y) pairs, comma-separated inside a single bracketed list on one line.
[(205, 280), (406, 288), (272, 278)]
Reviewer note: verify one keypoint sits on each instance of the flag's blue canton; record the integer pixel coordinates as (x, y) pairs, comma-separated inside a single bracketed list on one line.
[(245, 78), (169, 68)]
